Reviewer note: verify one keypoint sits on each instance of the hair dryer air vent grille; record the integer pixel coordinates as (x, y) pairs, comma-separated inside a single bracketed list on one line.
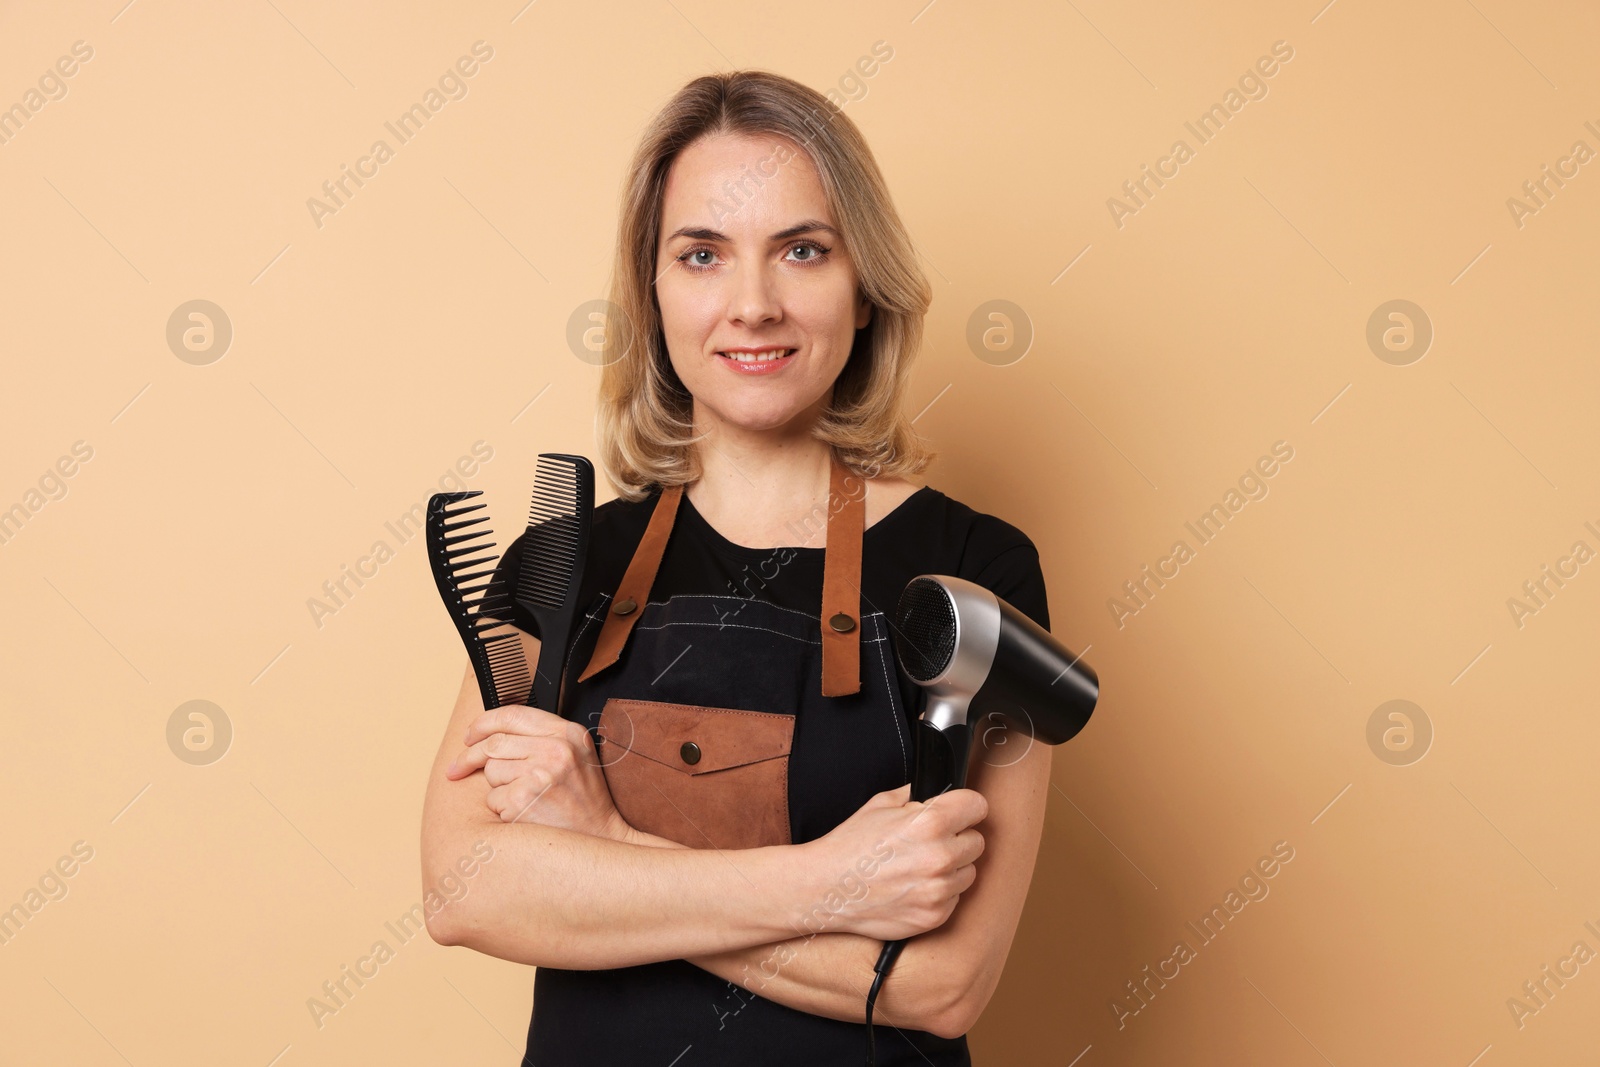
[(927, 629)]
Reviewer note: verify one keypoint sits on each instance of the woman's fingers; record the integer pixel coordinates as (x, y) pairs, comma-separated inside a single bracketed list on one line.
[(516, 800), (963, 807), (508, 747), (474, 756), (498, 772), (970, 844), (895, 797), (516, 719)]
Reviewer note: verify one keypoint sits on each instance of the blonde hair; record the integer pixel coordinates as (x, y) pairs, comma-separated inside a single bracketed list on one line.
[(644, 421)]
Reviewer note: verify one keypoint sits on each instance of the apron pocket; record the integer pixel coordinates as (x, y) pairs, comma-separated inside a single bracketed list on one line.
[(703, 777)]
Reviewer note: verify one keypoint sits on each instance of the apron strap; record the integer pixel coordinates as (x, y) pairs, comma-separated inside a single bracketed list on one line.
[(841, 583), (634, 592)]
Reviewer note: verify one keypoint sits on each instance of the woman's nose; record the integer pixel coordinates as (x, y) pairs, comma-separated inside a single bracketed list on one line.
[(754, 297)]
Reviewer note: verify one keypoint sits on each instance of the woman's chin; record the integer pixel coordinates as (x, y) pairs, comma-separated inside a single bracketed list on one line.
[(757, 417)]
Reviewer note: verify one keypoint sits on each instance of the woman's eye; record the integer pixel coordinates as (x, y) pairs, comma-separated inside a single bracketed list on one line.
[(809, 252), (817, 252)]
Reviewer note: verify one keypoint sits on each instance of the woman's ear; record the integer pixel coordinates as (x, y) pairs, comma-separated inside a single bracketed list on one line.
[(863, 310)]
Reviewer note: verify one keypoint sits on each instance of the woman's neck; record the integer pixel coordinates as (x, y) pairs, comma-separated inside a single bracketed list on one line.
[(764, 491)]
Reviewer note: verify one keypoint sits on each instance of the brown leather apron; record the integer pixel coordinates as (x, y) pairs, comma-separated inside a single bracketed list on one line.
[(717, 776)]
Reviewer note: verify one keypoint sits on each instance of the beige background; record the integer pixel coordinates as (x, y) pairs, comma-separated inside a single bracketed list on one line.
[(430, 312)]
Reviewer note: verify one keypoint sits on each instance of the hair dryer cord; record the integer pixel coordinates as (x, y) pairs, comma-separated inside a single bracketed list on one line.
[(872, 996), (881, 969)]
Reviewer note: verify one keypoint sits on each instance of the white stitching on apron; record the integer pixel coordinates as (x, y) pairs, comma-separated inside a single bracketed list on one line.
[(736, 626), (725, 596), (727, 626), (566, 669), (809, 616), (889, 684)]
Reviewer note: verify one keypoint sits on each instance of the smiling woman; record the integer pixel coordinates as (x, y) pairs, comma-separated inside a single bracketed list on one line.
[(705, 846), (819, 239)]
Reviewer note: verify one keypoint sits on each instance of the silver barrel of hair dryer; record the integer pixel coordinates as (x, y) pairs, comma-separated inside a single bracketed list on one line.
[(975, 655)]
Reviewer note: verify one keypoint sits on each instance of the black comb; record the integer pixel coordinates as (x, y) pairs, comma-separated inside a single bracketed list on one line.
[(555, 549), (479, 603)]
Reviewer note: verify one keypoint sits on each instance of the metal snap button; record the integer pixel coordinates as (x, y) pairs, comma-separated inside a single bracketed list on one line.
[(842, 623), (623, 607), (690, 752)]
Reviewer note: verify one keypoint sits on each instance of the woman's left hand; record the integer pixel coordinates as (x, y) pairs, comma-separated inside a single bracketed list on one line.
[(542, 769)]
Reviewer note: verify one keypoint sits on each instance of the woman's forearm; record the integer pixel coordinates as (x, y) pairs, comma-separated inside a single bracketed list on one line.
[(829, 974), (558, 898)]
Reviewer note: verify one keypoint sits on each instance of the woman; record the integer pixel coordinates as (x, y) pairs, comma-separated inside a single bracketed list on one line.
[(738, 596)]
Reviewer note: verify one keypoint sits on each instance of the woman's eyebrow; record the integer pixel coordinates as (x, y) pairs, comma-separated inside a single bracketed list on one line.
[(702, 233)]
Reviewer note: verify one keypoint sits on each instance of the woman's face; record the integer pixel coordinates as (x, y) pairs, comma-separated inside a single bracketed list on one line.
[(751, 258)]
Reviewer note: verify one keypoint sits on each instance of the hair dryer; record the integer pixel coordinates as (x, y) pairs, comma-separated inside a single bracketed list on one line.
[(975, 655)]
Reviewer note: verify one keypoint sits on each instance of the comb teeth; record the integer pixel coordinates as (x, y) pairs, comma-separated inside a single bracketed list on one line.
[(462, 552), (509, 667), (464, 563), (550, 549)]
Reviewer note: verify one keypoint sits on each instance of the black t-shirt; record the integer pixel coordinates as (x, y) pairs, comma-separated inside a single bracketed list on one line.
[(928, 533)]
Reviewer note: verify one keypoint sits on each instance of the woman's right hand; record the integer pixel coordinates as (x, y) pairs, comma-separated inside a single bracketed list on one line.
[(899, 865)]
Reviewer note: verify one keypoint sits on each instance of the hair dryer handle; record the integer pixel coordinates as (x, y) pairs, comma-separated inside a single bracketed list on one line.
[(941, 759), (941, 764)]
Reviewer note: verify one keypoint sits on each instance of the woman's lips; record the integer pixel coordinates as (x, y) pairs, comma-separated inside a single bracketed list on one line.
[(756, 362)]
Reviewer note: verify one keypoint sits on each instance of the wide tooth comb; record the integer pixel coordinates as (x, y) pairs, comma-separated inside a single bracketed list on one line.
[(480, 605)]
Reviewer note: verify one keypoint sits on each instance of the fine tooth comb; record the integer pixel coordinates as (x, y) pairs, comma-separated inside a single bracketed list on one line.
[(555, 549), (481, 607)]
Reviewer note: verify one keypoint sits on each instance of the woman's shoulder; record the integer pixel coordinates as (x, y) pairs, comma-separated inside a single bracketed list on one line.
[(886, 494), (618, 525), (982, 534), (985, 548), (619, 510)]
